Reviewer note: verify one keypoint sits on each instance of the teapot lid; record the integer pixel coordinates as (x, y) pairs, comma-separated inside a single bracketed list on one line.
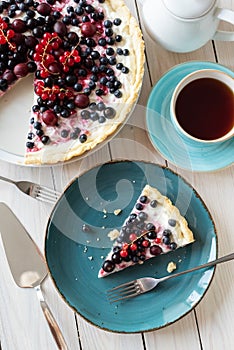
[(193, 9)]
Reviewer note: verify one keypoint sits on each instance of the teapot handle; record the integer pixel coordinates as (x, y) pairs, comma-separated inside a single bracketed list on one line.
[(228, 16)]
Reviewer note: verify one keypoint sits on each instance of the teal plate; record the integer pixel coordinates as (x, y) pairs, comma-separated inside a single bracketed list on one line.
[(74, 253), (184, 153)]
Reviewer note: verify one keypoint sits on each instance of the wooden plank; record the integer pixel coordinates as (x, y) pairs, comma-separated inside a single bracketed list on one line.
[(22, 324), (215, 313)]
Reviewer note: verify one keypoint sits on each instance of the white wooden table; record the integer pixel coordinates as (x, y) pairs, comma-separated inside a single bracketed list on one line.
[(210, 325)]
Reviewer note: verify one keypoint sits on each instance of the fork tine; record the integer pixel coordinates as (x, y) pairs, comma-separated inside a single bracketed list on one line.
[(121, 286), (50, 190), (46, 199), (122, 291), (124, 297), (45, 194)]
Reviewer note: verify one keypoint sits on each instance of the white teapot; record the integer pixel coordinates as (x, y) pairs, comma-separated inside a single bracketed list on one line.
[(185, 25)]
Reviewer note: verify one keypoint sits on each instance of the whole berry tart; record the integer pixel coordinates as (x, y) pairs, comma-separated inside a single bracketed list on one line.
[(154, 227), (87, 57)]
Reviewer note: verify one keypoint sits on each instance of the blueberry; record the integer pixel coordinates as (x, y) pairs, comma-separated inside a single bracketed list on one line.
[(93, 106), (109, 32), (94, 116), (29, 144), (64, 133), (89, 9), (102, 42), (83, 138), (119, 66), (95, 54), (110, 51), (118, 94), (35, 108), (143, 199), (110, 40), (99, 92), (85, 114), (78, 87), (118, 38), (45, 139), (172, 222), (108, 23), (39, 132), (104, 60), (167, 233), (65, 113), (125, 70), (132, 217), (85, 19), (30, 135), (166, 240), (109, 112), (126, 52), (119, 51), (135, 259), (173, 246), (74, 134), (117, 21), (110, 72), (37, 125), (153, 203), (150, 226), (101, 119), (139, 206), (112, 61), (57, 109), (108, 266), (100, 106), (151, 235), (116, 258), (142, 216), (103, 80)]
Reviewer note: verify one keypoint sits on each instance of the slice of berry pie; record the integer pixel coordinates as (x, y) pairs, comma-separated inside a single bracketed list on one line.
[(87, 57), (155, 226)]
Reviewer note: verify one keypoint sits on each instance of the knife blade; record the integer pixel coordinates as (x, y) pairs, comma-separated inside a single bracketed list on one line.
[(26, 263)]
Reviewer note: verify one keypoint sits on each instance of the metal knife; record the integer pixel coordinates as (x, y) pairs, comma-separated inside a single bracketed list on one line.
[(27, 264)]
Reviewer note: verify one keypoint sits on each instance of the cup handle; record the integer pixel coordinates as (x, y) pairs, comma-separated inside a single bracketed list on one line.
[(228, 16)]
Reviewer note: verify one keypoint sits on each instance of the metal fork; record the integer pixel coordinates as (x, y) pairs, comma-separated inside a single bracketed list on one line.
[(142, 285), (36, 191)]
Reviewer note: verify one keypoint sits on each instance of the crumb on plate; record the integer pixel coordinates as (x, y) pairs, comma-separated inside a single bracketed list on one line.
[(117, 211), (171, 267), (114, 234)]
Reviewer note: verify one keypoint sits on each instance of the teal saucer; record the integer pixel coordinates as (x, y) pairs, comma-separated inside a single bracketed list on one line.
[(186, 154), (75, 253)]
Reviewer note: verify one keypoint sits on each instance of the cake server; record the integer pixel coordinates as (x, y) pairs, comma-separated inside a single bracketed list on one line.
[(27, 264)]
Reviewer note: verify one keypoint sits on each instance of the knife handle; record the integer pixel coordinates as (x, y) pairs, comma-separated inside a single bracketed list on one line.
[(55, 330)]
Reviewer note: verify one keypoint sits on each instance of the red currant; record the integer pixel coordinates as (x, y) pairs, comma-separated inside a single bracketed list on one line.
[(123, 253), (132, 237), (145, 243), (125, 246), (10, 33), (133, 247)]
